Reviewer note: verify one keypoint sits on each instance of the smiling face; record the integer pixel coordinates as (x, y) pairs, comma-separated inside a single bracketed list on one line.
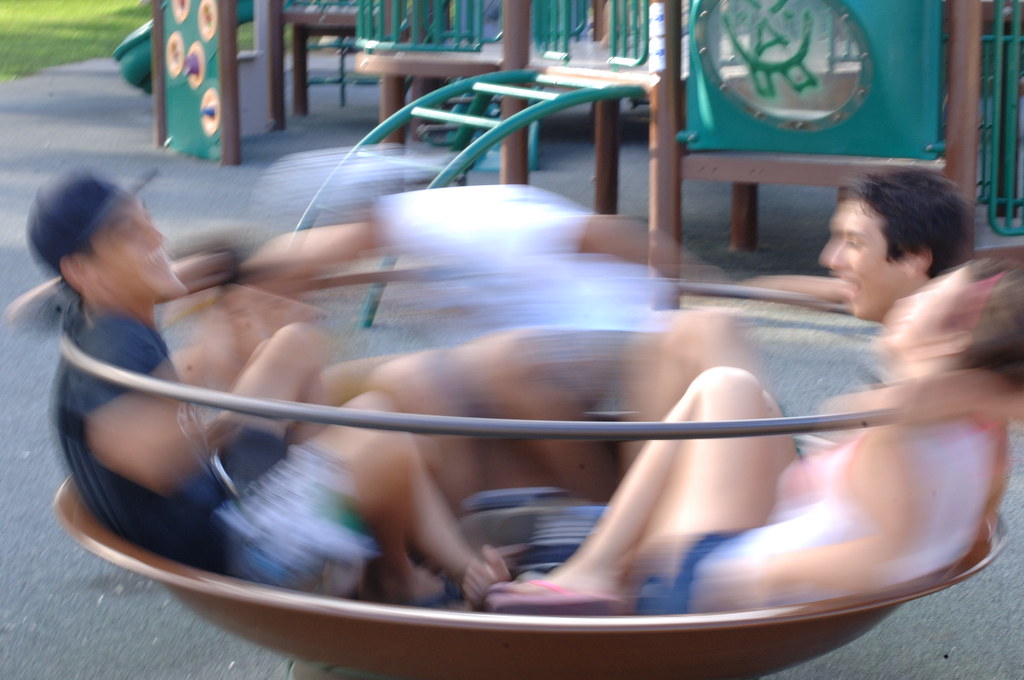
[(858, 253), (125, 266)]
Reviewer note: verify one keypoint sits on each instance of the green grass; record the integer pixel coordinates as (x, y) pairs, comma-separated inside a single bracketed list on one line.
[(36, 34)]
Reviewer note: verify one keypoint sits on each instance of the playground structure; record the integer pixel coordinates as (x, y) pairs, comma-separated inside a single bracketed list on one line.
[(795, 158), (308, 19), (1001, 181), (801, 94), (207, 94), (135, 53), (333, 637), (545, 37)]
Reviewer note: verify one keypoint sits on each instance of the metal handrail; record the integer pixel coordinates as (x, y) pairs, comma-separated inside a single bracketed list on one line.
[(557, 23), (420, 25), (476, 149), (628, 32), (466, 426), (1001, 181), (314, 6)]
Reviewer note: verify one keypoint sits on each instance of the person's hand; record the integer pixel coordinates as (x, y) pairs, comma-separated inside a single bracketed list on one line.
[(207, 269), (482, 573)]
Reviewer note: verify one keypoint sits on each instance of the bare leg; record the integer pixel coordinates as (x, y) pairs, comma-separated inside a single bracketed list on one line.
[(287, 366), (240, 320), (663, 365), (618, 235), (346, 380), (423, 383), (402, 506), (629, 239), (516, 381), (688, 487), (296, 256), (492, 377)]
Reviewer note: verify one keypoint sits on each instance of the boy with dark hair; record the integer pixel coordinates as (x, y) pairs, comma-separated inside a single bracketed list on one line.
[(891, 233)]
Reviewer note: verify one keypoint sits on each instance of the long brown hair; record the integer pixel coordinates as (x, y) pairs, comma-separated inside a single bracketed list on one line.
[(997, 336)]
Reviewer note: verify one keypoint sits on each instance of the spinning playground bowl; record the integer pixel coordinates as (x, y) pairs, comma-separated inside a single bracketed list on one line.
[(334, 637)]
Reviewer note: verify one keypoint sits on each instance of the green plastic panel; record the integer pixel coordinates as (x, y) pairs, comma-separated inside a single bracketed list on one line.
[(192, 121), (860, 77)]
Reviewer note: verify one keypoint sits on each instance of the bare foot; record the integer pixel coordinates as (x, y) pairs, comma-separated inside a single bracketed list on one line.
[(542, 597), (409, 585)]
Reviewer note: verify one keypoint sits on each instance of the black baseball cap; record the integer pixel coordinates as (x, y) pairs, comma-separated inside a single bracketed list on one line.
[(68, 211)]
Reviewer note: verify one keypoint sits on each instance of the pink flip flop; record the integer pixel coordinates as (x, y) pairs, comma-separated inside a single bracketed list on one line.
[(557, 601)]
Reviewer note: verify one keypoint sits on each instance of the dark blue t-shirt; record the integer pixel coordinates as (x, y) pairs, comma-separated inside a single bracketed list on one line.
[(180, 527)]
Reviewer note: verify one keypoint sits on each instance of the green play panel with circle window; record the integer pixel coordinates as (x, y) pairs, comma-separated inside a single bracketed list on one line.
[(816, 76)]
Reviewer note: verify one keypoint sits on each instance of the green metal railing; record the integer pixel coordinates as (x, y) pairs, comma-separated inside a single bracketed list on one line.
[(425, 25), (1000, 171), (313, 6), (556, 24), (467, 25), (628, 32)]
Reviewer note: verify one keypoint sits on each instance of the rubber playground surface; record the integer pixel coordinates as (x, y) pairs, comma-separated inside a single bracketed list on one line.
[(67, 614)]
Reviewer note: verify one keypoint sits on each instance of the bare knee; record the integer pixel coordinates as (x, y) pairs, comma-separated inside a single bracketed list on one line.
[(409, 383), (723, 393), (296, 345), (729, 380)]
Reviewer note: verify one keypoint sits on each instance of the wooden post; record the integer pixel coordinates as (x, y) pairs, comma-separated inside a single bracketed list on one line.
[(300, 74), (392, 98), (743, 224), (158, 75), (964, 86), (275, 63), (515, 158), (667, 119), (227, 65), (606, 156)]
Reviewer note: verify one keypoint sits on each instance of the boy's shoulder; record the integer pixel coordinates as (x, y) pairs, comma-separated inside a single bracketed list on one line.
[(116, 339)]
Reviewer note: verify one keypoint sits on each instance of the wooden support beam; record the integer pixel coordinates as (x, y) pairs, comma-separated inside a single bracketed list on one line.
[(963, 88), (606, 156), (667, 116)]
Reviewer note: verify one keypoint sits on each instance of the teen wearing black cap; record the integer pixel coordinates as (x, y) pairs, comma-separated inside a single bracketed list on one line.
[(143, 463)]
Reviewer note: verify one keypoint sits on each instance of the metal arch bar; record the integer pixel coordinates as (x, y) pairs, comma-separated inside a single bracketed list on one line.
[(520, 120), (458, 425), (742, 292)]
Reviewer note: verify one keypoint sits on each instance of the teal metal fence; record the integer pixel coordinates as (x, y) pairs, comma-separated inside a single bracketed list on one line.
[(467, 25), (628, 32), (316, 6), (425, 25), (558, 23), (1000, 168)]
